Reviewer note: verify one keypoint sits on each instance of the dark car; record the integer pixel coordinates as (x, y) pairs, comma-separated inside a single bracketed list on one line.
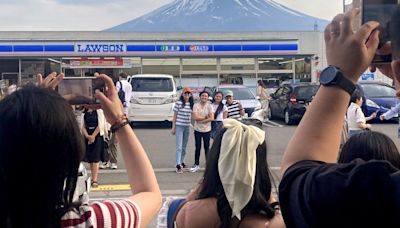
[(377, 96), (290, 101)]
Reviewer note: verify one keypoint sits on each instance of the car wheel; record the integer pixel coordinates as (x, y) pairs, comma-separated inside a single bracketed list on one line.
[(288, 119), (269, 114)]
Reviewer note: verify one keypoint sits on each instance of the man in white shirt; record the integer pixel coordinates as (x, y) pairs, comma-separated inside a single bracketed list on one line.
[(127, 88)]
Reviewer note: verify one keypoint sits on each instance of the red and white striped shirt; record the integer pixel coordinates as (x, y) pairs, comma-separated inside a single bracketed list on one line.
[(121, 213)]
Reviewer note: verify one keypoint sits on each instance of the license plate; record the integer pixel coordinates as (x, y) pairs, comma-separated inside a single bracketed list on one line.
[(153, 101)]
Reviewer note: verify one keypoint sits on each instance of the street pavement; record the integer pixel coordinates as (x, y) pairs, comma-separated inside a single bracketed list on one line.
[(160, 147)]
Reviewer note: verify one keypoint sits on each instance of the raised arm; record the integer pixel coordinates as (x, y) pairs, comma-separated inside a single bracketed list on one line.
[(352, 53), (145, 189)]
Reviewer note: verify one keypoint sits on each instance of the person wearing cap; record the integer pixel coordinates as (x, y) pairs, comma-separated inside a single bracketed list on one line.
[(181, 126), (235, 108)]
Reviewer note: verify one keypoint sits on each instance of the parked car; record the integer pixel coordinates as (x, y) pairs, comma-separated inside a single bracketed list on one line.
[(377, 96), (153, 97), (290, 101), (242, 94)]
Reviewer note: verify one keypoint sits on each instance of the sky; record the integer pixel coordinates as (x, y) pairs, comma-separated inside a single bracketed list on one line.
[(96, 15)]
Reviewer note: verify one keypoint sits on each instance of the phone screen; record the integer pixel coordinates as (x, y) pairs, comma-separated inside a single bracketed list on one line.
[(381, 11), (81, 90)]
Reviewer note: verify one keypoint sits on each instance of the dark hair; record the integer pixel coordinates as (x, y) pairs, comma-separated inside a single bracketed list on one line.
[(191, 101), (212, 186), (202, 92), (123, 75), (369, 145), (220, 106), (355, 96), (261, 83), (37, 126)]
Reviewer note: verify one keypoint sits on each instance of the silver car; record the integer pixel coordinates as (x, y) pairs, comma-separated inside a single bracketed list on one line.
[(244, 95)]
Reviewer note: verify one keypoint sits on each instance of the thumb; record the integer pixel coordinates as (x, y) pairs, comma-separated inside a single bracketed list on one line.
[(373, 42), (396, 70)]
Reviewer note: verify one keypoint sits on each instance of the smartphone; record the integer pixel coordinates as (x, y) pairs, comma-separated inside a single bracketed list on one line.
[(381, 11), (81, 90)]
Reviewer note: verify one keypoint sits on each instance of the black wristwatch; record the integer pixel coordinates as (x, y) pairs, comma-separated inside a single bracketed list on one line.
[(333, 76)]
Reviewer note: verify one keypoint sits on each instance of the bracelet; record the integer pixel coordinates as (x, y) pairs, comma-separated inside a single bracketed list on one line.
[(122, 121)]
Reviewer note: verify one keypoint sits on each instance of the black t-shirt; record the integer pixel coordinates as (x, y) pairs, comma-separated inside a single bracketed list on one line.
[(356, 194)]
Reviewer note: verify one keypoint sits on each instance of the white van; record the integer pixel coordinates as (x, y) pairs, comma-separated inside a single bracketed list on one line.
[(153, 97)]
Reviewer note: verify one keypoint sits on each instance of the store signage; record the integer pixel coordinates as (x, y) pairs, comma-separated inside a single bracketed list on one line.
[(167, 48), (101, 63), (199, 48), (100, 48)]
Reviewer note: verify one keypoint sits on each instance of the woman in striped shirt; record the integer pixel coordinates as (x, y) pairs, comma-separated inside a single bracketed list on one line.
[(44, 195), (181, 126)]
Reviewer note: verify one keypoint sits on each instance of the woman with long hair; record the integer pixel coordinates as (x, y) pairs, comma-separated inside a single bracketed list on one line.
[(181, 126), (220, 113), (37, 124), (236, 188)]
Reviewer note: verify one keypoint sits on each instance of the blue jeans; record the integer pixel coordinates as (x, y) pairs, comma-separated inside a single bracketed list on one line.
[(182, 138)]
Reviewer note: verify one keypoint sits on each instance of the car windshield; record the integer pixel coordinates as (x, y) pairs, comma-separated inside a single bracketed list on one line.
[(239, 93), (377, 90), (271, 83), (306, 92), (152, 85)]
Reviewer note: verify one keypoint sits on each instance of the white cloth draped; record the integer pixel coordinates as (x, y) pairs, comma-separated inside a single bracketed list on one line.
[(237, 162)]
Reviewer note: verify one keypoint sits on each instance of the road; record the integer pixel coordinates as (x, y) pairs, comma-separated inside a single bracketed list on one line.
[(160, 147)]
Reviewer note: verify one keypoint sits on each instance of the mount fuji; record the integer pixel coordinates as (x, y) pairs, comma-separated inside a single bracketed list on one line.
[(222, 16)]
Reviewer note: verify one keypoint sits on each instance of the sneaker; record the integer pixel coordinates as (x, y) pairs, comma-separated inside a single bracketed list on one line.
[(179, 169), (194, 168), (104, 165), (184, 167), (114, 166)]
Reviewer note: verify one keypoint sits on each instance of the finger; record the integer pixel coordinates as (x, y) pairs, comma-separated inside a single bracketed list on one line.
[(373, 42), (347, 24), (336, 25), (103, 99), (40, 79), (49, 78), (327, 33), (396, 72), (111, 90), (53, 84), (386, 49), (364, 33)]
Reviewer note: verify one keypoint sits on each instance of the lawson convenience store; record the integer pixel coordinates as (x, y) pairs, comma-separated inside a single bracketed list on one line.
[(195, 59)]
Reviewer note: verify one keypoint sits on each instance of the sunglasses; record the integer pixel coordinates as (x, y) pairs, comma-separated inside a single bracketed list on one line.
[(187, 93)]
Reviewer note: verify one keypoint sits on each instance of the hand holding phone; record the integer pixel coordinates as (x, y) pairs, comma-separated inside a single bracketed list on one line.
[(80, 91)]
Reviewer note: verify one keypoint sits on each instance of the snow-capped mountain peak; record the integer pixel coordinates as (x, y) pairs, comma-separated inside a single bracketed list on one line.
[(222, 16)]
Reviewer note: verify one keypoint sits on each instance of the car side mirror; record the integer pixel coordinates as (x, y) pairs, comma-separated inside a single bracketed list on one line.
[(179, 88)]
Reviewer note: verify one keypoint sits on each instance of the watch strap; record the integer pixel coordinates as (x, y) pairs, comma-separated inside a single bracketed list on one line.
[(346, 84)]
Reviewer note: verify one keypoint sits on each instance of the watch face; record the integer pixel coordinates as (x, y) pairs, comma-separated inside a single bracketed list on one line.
[(328, 75)]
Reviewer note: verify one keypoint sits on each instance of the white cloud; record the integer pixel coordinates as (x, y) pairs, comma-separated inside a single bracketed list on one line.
[(95, 15)]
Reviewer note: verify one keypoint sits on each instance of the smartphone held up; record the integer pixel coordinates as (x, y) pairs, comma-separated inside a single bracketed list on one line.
[(81, 90), (386, 13)]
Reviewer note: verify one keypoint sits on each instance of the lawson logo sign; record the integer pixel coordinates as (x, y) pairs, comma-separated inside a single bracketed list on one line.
[(100, 47)]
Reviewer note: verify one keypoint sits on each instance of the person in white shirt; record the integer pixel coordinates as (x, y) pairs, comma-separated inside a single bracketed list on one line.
[(355, 116), (203, 114), (127, 88)]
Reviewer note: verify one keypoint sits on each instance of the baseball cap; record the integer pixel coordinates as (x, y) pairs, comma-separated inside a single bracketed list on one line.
[(187, 90), (228, 93)]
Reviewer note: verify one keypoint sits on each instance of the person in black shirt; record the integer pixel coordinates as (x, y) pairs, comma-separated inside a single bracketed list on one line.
[(315, 191)]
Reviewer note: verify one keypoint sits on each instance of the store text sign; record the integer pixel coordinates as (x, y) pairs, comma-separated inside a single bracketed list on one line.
[(100, 47)]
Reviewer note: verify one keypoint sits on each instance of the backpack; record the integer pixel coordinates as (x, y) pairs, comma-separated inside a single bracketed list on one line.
[(121, 94)]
